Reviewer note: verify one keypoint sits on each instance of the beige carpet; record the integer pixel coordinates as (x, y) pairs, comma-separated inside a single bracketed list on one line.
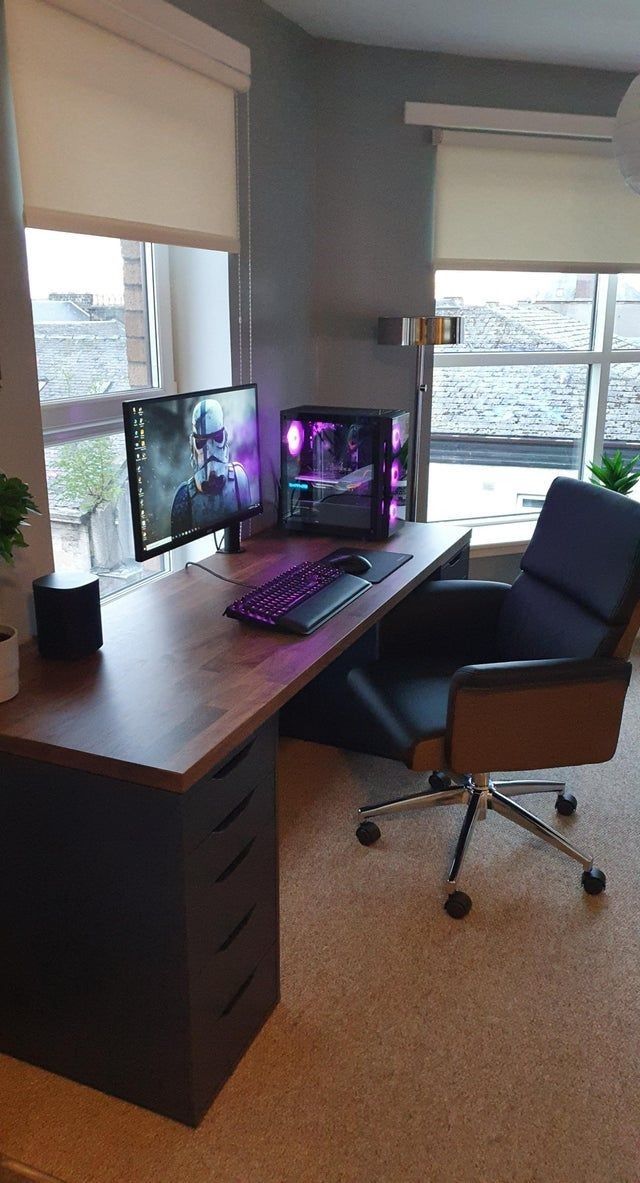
[(408, 1048), (18, 1172)]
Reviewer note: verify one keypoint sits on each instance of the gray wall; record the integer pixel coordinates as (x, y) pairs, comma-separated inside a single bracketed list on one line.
[(282, 161), (374, 192)]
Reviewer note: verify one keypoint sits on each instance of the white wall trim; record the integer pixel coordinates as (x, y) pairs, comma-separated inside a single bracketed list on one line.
[(497, 119), (165, 30)]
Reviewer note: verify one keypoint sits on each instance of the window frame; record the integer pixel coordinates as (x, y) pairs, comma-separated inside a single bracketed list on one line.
[(65, 420), (599, 360), (74, 419)]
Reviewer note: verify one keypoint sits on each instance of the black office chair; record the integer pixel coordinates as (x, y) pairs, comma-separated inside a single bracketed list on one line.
[(476, 676)]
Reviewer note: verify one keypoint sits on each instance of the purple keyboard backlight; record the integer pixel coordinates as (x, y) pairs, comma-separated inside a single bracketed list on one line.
[(269, 603)]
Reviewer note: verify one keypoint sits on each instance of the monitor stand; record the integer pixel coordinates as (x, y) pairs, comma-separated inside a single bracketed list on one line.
[(231, 541)]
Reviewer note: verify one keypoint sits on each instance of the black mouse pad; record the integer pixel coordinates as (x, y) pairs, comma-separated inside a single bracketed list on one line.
[(383, 562)]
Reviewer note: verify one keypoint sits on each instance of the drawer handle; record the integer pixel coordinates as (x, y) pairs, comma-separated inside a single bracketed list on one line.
[(233, 762), (237, 930), (235, 812), (235, 862), (238, 995)]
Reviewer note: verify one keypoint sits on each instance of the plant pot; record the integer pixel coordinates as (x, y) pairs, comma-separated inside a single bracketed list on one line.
[(9, 683)]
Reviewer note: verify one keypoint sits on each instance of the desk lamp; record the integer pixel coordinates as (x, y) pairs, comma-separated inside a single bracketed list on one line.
[(420, 331)]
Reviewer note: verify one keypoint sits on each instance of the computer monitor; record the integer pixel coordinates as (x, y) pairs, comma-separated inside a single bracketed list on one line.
[(194, 466)]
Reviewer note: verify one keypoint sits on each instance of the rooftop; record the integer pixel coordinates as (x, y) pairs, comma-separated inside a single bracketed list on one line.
[(524, 401)]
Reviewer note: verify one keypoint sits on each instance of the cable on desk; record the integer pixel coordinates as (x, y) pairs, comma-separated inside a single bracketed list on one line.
[(217, 575)]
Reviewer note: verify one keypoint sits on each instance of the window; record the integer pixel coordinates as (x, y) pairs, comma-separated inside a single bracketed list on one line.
[(548, 376), (96, 325)]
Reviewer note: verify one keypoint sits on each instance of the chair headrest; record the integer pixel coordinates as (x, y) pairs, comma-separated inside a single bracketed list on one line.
[(587, 544)]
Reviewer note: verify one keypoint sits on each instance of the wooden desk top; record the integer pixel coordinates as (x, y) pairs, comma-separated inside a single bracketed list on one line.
[(177, 686)]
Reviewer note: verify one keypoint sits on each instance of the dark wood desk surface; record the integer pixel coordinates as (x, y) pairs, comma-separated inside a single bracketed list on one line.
[(177, 686)]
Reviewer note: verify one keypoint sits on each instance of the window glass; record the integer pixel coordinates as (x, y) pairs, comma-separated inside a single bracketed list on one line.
[(518, 311), (93, 311), (500, 434), (90, 305), (622, 423), (626, 329), (90, 511)]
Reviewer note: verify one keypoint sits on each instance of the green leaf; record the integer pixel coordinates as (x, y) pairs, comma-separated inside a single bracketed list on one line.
[(88, 473), (616, 473), (16, 503)]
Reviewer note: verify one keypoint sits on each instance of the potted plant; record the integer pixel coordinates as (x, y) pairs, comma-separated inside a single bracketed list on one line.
[(615, 473), (16, 503)]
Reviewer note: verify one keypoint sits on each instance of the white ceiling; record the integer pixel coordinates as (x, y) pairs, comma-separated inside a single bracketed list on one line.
[(599, 33)]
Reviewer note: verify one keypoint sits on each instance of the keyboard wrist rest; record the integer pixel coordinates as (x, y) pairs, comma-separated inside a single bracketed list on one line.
[(306, 617)]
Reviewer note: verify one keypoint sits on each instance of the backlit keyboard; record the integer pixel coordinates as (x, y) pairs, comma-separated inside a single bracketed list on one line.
[(300, 599)]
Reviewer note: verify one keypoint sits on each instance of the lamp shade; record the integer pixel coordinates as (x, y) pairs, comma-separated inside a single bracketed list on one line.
[(626, 136), (420, 330)]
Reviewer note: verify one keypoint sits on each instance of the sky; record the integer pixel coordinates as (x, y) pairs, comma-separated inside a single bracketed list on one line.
[(505, 287), (73, 263), (84, 263)]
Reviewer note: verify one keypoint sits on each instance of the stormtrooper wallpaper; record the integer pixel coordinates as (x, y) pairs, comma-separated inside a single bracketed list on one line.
[(219, 486), (197, 463)]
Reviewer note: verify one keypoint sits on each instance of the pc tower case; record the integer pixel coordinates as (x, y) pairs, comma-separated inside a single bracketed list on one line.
[(343, 471)]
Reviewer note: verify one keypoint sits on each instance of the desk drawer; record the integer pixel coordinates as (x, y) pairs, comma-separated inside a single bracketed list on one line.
[(456, 567), (210, 801), (233, 960), (224, 909), (221, 1034), (213, 857)]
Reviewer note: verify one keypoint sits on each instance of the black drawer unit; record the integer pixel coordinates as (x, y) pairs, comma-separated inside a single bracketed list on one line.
[(139, 929), (210, 803), (217, 904), (231, 909), (230, 960), (221, 1036)]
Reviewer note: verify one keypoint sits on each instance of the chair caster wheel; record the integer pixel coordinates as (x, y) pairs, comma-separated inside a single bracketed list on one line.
[(457, 904), (367, 833), (439, 782), (566, 803), (594, 881)]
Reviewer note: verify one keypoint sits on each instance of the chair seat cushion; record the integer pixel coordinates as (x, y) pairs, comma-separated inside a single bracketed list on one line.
[(406, 702)]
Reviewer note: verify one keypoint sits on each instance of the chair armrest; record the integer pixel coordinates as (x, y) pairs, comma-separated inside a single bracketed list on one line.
[(521, 715), (449, 620)]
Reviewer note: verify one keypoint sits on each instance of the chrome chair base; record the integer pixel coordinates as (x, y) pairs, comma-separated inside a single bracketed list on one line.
[(481, 793)]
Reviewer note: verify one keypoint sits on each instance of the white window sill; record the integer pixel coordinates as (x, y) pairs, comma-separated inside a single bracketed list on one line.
[(505, 538)]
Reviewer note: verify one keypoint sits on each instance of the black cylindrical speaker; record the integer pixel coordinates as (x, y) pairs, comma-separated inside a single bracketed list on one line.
[(67, 615)]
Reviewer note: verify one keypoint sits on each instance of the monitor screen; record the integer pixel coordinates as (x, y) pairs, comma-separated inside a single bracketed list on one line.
[(194, 465)]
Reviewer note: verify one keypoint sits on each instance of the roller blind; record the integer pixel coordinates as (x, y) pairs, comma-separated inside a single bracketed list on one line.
[(129, 136), (532, 202)]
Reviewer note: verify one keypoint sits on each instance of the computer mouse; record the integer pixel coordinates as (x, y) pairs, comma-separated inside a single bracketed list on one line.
[(351, 563)]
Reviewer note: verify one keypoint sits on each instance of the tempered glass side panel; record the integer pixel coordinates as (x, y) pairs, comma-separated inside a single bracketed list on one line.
[(328, 472)]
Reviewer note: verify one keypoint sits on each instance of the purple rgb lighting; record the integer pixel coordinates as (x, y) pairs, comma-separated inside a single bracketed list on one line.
[(295, 438), (396, 439), (393, 511), (320, 426), (395, 474)]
